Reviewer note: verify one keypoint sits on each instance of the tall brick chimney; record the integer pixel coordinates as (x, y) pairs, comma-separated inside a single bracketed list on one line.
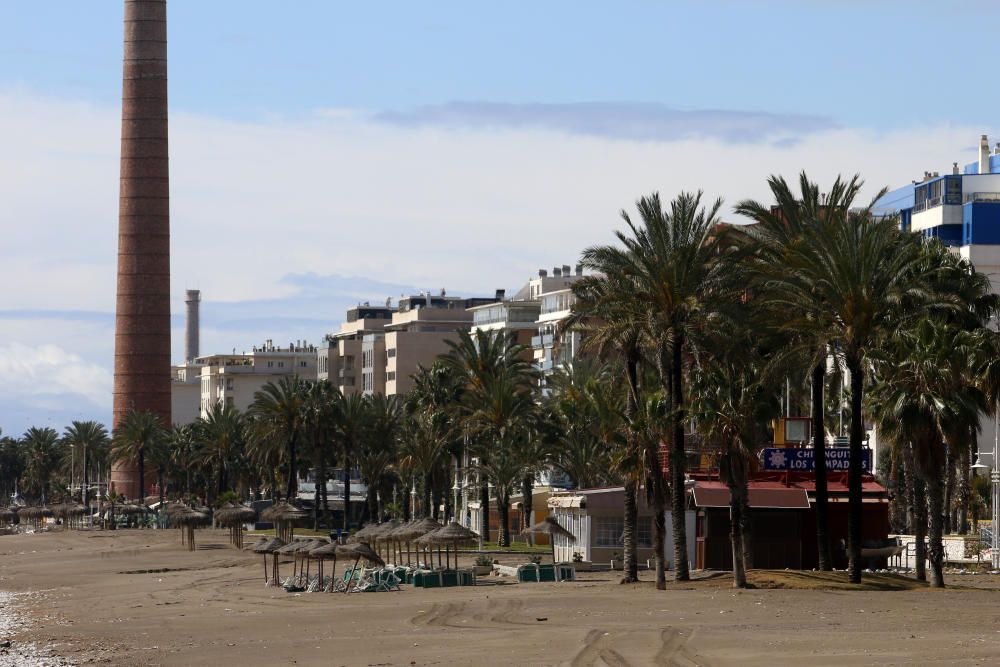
[(142, 314)]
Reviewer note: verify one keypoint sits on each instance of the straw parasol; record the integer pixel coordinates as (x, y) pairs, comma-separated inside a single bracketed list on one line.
[(380, 534), (451, 535), (323, 552), (415, 530), (8, 515), (358, 551), (233, 516), (265, 547), (294, 548), (284, 515), (35, 514), (187, 519), (552, 528), (365, 534), (304, 552)]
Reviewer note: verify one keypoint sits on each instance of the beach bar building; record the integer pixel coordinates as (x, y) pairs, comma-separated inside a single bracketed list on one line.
[(783, 520)]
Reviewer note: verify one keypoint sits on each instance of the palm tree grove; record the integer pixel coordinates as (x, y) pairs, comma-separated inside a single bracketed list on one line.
[(697, 335)]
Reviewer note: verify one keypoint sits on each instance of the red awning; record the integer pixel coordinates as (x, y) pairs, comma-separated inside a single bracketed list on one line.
[(714, 494)]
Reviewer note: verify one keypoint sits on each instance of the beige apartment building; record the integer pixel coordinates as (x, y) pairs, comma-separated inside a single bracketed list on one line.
[(235, 378), (418, 333), (341, 359)]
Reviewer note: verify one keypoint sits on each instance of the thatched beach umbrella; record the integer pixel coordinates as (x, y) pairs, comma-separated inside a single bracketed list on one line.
[(380, 535), (552, 528), (188, 520), (357, 552), (416, 530), (365, 534), (270, 546), (233, 516), (451, 535), (7, 516), (70, 513), (304, 553), (284, 515), (325, 552), (35, 514)]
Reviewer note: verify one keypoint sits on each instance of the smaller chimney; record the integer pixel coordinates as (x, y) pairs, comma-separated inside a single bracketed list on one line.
[(954, 168), (542, 273), (579, 269), (566, 272), (556, 272), (984, 155), (500, 294)]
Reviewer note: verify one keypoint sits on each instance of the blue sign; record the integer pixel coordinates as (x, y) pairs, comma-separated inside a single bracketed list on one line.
[(789, 458)]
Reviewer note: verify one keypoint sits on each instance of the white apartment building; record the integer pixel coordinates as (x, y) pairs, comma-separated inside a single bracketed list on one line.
[(551, 349), (235, 378)]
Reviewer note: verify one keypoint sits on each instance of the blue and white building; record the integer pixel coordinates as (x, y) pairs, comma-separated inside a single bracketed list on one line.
[(962, 209)]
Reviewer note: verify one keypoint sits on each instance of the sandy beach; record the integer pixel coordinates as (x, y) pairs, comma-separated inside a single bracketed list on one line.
[(139, 598)]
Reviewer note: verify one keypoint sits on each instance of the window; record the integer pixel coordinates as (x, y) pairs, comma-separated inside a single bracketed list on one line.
[(229, 384), (270, 364), (302, 364), (390, 376), (608, 531), (281, 364), (391, 352)]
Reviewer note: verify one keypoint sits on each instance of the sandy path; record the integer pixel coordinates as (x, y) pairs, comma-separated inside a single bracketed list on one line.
[(137, 598)]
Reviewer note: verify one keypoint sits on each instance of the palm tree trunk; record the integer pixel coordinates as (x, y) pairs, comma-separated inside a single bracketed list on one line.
[(736, 503), (935, 525), (746, 533), (86, 482), (920, 525), (949, 489), (484, 508), (897, 487), (964, 491), (659, 540), (527, 485), (854, 470), (629, 533), (819, 455), (347, 489), (426, 499), (291, 484), (503, 505), (678, 464), (372, 498), (142, 476)]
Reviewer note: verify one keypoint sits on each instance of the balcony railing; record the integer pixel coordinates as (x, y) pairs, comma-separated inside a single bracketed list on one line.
[(989, 197)]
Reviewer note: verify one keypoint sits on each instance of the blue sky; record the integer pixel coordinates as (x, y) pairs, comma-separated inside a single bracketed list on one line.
[(854, 62), (325, 153)]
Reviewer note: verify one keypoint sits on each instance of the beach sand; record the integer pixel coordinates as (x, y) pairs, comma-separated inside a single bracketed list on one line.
[(139, 598)]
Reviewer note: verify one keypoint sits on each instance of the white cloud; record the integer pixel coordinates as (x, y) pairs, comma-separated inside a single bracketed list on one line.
[(341, 193), (36, 374)]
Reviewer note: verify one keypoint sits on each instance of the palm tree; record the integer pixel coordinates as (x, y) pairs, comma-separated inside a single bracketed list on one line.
[(497, 384), (779, 228), (579, 394), (320, 421), (87, 439), (137, 435), (731, 399), (41, 450), (12, 464), (220, 435), (921, 389), (182, 452), (845, 282), (380, 447), (424, 449), (349, 429), (279, 407), (671, 262)]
